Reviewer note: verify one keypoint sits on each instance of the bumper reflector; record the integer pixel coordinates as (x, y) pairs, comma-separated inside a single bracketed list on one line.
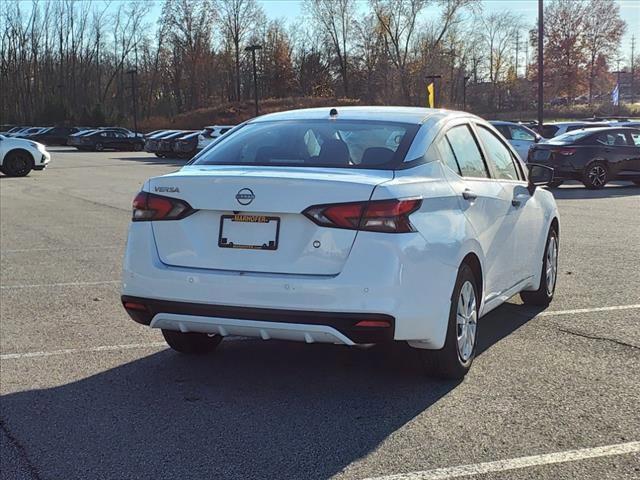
[(373, 324)]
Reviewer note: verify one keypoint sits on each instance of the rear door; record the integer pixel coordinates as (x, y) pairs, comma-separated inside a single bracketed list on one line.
[(633, 138), (486, 205), (243, 208), (524, 220), (617, 151)]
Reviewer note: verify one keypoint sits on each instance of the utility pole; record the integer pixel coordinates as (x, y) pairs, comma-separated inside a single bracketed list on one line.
[(464, 93), (540, 65), (252, 49), (633, 51), (517, 50), (133, 72)]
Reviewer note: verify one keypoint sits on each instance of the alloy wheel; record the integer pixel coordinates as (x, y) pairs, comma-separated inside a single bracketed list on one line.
[(20, 165), (597, 175), (466, 321), (551, 267)]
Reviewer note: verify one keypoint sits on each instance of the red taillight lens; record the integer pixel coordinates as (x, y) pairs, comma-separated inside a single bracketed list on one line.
[(390, 216), (564, 151), (147, 206)]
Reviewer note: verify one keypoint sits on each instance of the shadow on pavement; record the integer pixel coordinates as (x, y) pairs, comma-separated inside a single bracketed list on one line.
[(253, 410)]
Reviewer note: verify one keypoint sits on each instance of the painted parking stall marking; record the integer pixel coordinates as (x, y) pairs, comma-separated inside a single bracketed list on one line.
[(517, 463)]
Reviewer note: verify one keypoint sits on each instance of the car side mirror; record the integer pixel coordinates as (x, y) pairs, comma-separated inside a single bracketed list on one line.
[(539, 176)]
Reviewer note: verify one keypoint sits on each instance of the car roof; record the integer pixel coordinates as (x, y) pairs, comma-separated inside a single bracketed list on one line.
[(605, 129), (412, 115), (579, 122)]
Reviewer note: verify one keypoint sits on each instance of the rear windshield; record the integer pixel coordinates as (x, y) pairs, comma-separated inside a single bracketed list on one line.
[(571, 137), (314, 143)]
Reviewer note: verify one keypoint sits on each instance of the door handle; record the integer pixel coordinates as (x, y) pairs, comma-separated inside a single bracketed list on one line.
[(469, 195)]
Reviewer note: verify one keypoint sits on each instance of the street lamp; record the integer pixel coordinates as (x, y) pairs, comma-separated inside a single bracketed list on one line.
[(252, 49), (540, 64), (133, 72)]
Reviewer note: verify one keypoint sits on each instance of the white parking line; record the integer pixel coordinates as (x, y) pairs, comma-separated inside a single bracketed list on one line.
[(104, 348), (63, 249), (517, 463), (67, 284), (588, 310)]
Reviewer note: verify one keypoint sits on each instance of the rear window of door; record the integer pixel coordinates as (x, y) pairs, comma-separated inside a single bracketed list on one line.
[(611, 139), (635, 138), (447, 156), (519, 133), (467, 153), (549, 131), (504, 130), (498, 155)]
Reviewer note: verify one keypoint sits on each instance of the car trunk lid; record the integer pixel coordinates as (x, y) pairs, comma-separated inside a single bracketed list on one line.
[(249, 219)]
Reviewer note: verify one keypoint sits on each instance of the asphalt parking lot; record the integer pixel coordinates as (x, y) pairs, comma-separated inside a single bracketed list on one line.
[(87, 393)]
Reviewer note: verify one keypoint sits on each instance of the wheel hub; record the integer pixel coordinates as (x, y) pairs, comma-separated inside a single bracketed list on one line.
[(551, 264), (466, 321), (597, 175)]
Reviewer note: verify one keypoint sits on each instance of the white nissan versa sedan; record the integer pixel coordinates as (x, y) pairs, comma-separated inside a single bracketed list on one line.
[(351, 226)]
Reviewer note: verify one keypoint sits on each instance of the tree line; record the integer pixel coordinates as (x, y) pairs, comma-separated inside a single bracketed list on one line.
[(74, 61)]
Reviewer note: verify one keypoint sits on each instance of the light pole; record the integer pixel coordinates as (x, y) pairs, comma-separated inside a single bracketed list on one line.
[(464, 92), (540, 64), (252, 49), (133, 72)]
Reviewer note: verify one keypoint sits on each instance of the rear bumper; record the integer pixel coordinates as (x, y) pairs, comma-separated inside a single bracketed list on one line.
[(261, 322), (398, 279)]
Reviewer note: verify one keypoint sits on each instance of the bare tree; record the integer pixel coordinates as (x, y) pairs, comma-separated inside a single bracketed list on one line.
[(238, 17), (336, 19), (603, 30), (398, 20), (498, 33)]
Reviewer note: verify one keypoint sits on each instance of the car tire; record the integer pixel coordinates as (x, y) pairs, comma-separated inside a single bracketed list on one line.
[(17, 163), (455, 358), (556, 184), (191, 343), (99, 147), (595, 175), (548, 276), (137, 147)]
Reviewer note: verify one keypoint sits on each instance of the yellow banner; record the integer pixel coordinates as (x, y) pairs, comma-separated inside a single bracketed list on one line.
[(431, 97)]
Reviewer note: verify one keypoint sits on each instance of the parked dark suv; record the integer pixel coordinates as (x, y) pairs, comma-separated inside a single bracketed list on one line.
[(594, 156)]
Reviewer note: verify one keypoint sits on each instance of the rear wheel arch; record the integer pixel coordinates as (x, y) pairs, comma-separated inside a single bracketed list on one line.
[(555, 224), (472, 260)]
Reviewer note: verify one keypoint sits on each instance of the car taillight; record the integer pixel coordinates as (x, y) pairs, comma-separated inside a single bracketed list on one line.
[(564, 151), (390, 216), (148, 206)]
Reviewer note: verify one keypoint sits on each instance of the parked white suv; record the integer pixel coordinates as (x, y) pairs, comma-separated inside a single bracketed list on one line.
[(209, 134), (351, 225), (18, 157)]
